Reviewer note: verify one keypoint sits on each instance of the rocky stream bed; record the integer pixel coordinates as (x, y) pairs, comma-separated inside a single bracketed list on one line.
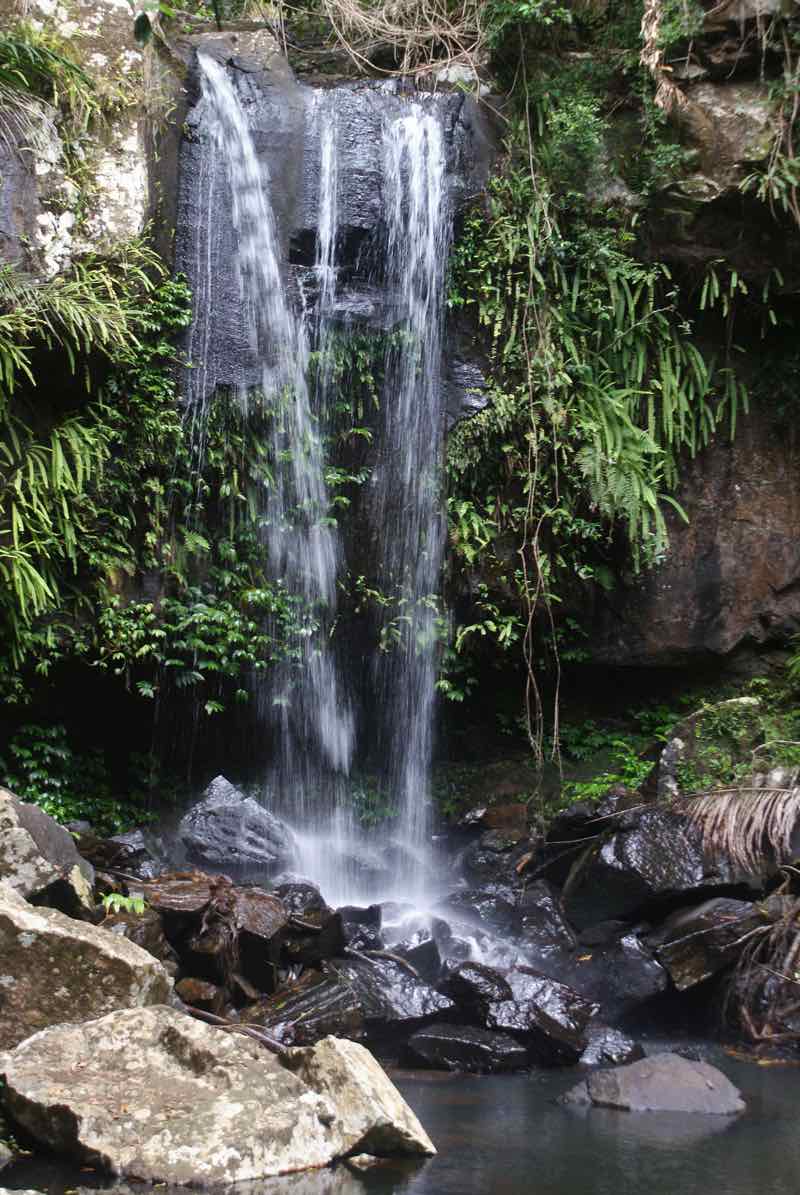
[(207, 1025)]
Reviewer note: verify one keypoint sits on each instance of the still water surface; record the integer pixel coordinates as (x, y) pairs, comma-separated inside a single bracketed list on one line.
[(506, 1135)]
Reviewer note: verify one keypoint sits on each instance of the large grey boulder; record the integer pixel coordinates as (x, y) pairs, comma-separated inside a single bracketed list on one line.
[(155, 1095), (39, 859), (371, 1109), (661, 1083), (54, 969), (232, 833)]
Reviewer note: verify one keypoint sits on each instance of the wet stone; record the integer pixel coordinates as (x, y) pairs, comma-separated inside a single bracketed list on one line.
[(309, 1009), (422, 952), (473, 987), (609, 1047), (654, 855), (199, 993), (694, 944), (494, 909), (299, 897), (550, 1017), (465, 1048), (543, 928), (390, 997), (229, 832)]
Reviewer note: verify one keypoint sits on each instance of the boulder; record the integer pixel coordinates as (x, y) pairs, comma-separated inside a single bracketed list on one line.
[(368, 1106), (694, 944), (494, 908), (300, 897), (473, 987), (609, 1047), (654, 855), (549, 1017), (229, 832), (39, 859), (661, 1083), (53, 969), (619, 974), (157, 1096), (422, 951), (199, 993), (362, 926), (465, 1048), (390, 996), (544, 931), (122, 852)]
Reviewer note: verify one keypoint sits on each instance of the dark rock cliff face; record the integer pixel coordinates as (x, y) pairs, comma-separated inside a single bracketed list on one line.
[(286, 118), (731, 579)]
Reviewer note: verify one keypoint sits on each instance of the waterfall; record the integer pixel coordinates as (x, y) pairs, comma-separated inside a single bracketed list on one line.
[(408, 499), (383, 227), (311, 713)]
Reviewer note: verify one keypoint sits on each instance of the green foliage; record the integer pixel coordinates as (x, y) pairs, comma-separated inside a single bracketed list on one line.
[(115, 902), (598, 390), (34, 60), (43, 768)]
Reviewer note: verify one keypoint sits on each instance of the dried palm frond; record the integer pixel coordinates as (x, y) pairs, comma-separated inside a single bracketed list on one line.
[(26, 122), (752, 826), (668, 95), (419, 32), (764, 992)]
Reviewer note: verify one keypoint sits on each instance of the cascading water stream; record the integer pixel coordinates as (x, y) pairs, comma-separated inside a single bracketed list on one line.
[(314, 720), (408, 480)]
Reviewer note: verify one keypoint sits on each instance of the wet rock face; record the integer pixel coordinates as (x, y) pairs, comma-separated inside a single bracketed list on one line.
[(55, 969), (232, 833), (39, 860), (286, 117), (544, 930), (474, 987), (390, 996), (549, 1017), (158, 1096), (695, 944), (619, 974), (661, 1083), (465, 1048), (492, 908), (609, 1047), (654, 854), (309, 1009), (731, 578)]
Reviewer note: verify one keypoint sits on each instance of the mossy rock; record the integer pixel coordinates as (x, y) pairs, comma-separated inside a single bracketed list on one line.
[(712, 747)]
